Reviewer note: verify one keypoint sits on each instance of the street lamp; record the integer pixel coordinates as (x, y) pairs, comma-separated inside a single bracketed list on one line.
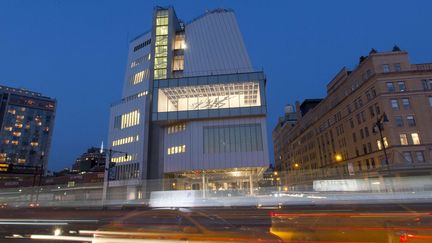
[(380, 126), (338, 157), (108, 166)]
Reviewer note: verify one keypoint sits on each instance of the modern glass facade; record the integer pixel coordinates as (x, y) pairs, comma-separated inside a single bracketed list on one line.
[(209, 96)]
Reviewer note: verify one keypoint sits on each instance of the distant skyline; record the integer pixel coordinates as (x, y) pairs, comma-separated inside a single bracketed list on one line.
[(76, 51)]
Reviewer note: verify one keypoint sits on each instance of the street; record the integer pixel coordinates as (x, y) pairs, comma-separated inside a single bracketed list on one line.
[(320, 223)]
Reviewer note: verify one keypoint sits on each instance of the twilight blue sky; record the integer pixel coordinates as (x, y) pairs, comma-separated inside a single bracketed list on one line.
[(76, 51)]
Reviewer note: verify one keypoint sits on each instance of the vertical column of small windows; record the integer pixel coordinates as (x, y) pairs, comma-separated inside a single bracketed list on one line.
[(161, 45)]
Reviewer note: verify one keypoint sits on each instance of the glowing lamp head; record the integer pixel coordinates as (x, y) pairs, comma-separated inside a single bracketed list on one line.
[(338, 157)]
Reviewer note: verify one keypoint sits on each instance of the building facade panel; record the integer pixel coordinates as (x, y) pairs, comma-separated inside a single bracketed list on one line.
[(216, 144)]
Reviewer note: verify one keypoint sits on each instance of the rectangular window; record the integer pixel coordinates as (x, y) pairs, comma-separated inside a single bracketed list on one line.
[(137, 61), (351, 122), (430, 101), (162, 30), (427, 84), (178, 63), (399, 121), (130, 119), (379, 144), (402, 86), (354, 137), (138, 77), (161, 51), (371, 111), (366, 131), (386, 68), (390, 87), (403, 139), (397, 67), (411, 121), (176, 149), (179, 42), (415, 138), (420, 156), (377, 108), (232, 138), (204, 97), (406, 103), (394, 104), (161, 21), (407, 156)]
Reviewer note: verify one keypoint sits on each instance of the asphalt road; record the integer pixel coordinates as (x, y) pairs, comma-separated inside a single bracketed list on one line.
[(332, 223)]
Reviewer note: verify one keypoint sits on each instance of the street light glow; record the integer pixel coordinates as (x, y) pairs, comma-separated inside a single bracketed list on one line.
[(338, 157)]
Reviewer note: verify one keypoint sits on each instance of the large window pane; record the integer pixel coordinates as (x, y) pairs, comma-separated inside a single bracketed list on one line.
[(216, 96), (232, 138)]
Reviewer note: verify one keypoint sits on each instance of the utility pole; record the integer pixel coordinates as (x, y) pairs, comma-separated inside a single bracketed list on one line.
[(108, 166), (380, 125)]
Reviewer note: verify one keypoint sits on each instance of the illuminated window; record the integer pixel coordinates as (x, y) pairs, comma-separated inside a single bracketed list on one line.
[(12, 111), (161, 40), (161, 51), (14, 142), (138, 61), (18, 125), (178, 63), (179, 42), (34, 144), (128, 120), (160, 62), (160, 73), (176, 128), (144, 93), (403, 139), (176, 149), (379, 144), (138, 77), (123, 158), (126, 140), (161, 45), (161, 21), (17, 134), (8, 129), (415, 138), (202, 97), (162, 30)]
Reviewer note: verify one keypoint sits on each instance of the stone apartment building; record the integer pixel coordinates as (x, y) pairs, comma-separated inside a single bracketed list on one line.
[(339, 136)]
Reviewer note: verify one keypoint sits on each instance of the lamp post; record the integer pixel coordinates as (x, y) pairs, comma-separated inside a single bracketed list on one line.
[(108, 165), (380, 126)]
